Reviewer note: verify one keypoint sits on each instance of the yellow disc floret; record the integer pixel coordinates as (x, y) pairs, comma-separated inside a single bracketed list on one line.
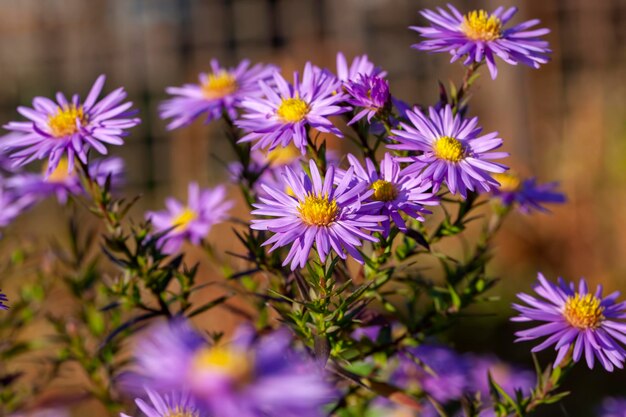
[(183, 219), (283, 155), (293, 110), (61, 173), (583, 312), (449, 149), (318, 210), (64, 122), (508, 182), (236, 364), (219, 85), (384, 191), (180, 412), (478, 25)]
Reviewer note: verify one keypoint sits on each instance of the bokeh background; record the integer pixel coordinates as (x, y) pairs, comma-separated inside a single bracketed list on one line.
[(565, 122)]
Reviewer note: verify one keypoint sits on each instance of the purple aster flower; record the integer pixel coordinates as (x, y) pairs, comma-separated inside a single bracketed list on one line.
[(218, 92), (397, 191), (3, 300), (332, 217), (205, 207), (176, 404), (578, 320), (361, 65), (612, 407), (438, 370), (508, 377), (528, 195), (284, 114), (449, 149), (479, 35), (371, 94), (250, 376), (64, 183), (70, 127)]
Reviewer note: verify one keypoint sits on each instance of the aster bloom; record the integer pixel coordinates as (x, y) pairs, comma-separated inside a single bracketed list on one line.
[(437, 370), (3, 300), (480, 36), (64, 183), (397, 191), (612, 407), (218, 92), (250, 376), (69, 128), (205, 207), (284, 114), (371, 94), (361, 65), (574, 319), (176, 404), (528, 195), (449, 150), (336, 218)]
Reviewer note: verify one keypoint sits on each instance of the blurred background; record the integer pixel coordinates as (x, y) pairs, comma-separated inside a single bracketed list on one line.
[(565, 122)]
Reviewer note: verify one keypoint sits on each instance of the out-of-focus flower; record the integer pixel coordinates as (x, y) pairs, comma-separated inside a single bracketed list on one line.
[(397, 191), (588, 322), (438, 370), (177, 404), (192, 221), (69, 128), (449, 150), (3, 300), (480, 36), (369, 93), (248, 377), (218, 92), (332, 217), (361, 65), (612, 407), (12, 203), (527, 194), (284, 114), (64, 183)]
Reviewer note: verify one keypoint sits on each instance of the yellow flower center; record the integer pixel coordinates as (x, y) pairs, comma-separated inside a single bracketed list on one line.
[(384, 191), (583, 312), (283, 156), (449, 149), (508, 182), (233, 363), (219, 85), (180, 412), (292, 110), (183, 219), (478, 25), (63, 123), (318, 210), (60, 173)]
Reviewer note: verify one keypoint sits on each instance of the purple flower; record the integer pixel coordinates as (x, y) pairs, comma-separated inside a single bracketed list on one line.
[(12, 203), (361, 65), (193, 221), (397, 191), (584, 321), (527, 194), (287, 111), (449, 149), (332, 217), (179, 404), (371, 94), (3, 300), (250, 376), (508, 377), (612, 407), (64, 183), (437, 370), (479, 35), (70, 127), (218, 92)]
